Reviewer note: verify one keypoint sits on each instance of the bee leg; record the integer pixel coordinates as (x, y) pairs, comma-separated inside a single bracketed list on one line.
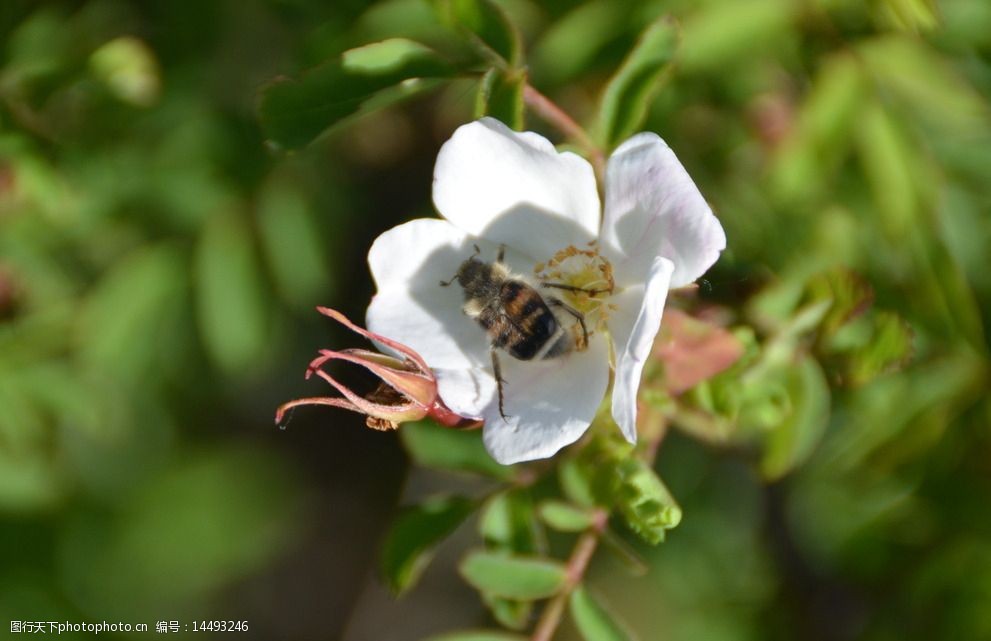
[(574, 312), (572, 288), (499, 381), (448, 283), (500, 257)]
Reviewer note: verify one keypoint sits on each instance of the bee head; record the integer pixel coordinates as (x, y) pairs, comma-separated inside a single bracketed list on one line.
[(478, 279), (473, 275)]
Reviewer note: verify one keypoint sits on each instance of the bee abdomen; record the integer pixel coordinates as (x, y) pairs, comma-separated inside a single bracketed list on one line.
[(532, 322)]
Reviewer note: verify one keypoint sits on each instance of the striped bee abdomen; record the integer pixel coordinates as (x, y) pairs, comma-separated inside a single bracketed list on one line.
[(531, 324)]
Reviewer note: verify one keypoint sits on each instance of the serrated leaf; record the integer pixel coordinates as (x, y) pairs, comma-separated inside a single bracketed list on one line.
[(643, 500), (513, 577), (803, 422), (884, 344), (477, 635), (692, 351), (629, 93), (231, 307), (432, 445), (565, 517), (487, 25), (593, 621), (294, 112), (410, 543), (500, 95), (508, 522), (849, 294)]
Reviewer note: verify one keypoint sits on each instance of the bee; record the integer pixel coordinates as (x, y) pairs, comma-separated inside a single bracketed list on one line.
[(517, 318)]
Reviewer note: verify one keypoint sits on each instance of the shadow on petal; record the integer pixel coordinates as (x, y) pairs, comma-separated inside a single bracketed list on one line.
[(535, 232)]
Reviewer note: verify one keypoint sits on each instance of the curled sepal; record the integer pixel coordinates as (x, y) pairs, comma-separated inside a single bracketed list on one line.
[(407, 389)]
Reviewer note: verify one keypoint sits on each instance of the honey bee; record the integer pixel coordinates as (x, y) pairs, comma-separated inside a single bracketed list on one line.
[(517, 318)]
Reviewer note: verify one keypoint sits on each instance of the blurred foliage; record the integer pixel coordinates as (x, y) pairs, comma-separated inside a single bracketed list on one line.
[(158, 260)]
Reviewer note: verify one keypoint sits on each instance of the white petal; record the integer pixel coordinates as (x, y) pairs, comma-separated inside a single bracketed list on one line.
[(408, 262), (633, 327), (654, 209), (398, 254), (466, 391), (549, 404), (515, 188)]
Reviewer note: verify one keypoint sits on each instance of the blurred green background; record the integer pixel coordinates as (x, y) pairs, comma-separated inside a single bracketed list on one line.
[(159, 266)]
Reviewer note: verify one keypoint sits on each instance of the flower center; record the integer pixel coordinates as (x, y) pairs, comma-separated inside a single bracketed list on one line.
[(583, 280)]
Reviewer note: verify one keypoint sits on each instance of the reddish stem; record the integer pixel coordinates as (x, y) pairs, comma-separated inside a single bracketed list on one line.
[(553, 114), (578, 563)]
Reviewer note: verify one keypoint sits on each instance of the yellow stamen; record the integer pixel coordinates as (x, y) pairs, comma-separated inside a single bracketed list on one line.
[(591, 276)]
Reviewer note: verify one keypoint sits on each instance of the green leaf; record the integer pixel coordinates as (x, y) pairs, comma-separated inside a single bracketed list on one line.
[(130, 316), (888, 160), (510, 613), (909, 15), (28, 480), (294, 112), (410, 544), (576, 482), (875, 345), (722, 33), (514, 577), (478, 635), (849, 295), (293, 246), (593, 621), (508, 522), (921, 80), (803, 163), (41, 45), (128, 68), (487, 25), (209, 519), (629, 93), (232, 310), (607, 470), (643, 500), (565, 517), (500, 95), (594, 24), (804, 421), (432, 445)]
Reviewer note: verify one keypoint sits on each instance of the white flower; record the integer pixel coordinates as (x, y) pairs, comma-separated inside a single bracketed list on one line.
[(496, 187)]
